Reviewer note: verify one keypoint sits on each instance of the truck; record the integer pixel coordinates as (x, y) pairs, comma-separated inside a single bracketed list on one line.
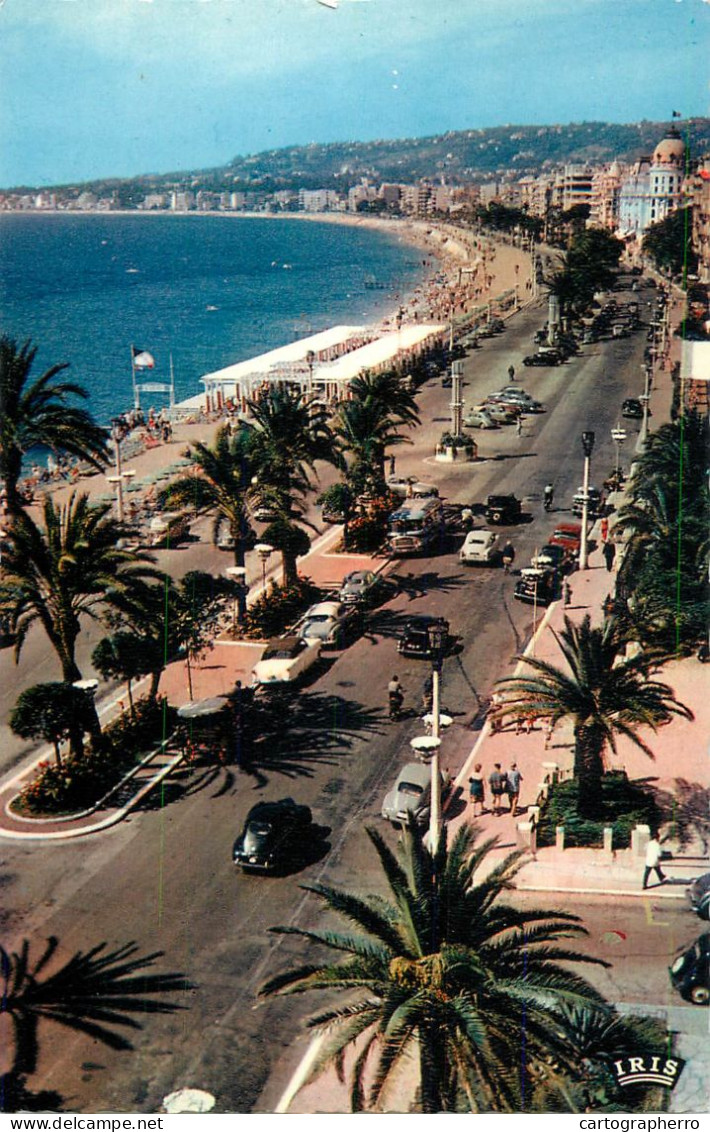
[(415, 527)]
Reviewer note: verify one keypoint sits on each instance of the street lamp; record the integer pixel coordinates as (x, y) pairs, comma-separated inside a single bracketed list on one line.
[(436, 635), (238, 575), (118, 481), (587, 448), (264, 550), (456, 401), (644, 399), (618, 435)]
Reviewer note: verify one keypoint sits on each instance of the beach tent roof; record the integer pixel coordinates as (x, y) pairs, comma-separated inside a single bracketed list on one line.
[(293, 352)]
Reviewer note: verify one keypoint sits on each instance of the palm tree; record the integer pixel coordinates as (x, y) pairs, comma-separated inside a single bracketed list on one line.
[(40, 413), (67, 570), (365, 431), (219, 483), (91, 993), (447, 971), (288, 436), (604, 692)]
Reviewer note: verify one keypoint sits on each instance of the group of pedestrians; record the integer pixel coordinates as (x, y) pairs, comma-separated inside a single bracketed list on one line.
[(502, 783)]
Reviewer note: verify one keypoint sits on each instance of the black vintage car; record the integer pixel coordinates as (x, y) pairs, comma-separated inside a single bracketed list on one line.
[(537, 586), (415, 640), (544, 358), (503, 509), (690, 973), (699, 896), (273, 833)]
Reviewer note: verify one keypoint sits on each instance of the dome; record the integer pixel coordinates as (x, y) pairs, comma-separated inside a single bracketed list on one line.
[(670, 151)]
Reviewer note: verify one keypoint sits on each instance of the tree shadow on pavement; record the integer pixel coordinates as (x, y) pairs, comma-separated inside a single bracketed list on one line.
[(321, 730)]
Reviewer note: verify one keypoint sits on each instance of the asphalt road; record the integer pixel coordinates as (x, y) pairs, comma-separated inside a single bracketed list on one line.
[(164, 877)]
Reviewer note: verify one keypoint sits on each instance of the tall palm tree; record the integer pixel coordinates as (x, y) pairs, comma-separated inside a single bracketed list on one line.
[(91, 993), (68, 569), (219, 482), (446, 970), (288, 436), (40, 412), (604, 692), (365, 430)]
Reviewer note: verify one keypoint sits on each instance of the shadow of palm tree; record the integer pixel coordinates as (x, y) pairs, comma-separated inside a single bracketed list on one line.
[(321, 730), (94, 993)]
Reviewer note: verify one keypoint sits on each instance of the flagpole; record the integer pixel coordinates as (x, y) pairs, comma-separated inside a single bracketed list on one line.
[(172, 383), (136, 398)]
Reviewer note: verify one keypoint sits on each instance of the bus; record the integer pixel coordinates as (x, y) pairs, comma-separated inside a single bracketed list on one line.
[(415, 527)]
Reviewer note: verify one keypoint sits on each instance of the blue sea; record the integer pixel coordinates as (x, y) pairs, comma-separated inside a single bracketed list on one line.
[(208, 290)]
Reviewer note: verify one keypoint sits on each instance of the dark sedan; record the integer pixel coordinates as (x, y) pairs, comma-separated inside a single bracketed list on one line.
[(548, 358), (632, 409), (690, 973), (415, 640), (699, 896), (273, 833)]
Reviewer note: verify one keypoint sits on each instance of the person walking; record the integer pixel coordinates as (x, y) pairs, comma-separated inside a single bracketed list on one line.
[(507, 556), (609, 552), (604, 529), (476, 792), (393, 464), (497, 782), (514, 779), (511, 373), (519, 425), (653, 861)]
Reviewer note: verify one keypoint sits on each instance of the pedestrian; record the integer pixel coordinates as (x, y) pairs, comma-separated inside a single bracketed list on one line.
[(511, 373), (568, 593), (653, 861), (514, 778), (604, 529), (497, 782), (519, 425), (609, 552), (393, 464), (508, 556), (476, 791), (467, 519)]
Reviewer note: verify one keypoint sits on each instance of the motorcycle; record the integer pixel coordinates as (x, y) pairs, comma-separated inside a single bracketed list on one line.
[(396, 699)]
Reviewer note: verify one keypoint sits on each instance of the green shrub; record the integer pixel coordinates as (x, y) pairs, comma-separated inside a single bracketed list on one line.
[(624, 805), (81, 782), (278, 608)]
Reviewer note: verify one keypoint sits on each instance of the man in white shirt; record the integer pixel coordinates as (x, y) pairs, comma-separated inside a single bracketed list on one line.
[(653, 861)]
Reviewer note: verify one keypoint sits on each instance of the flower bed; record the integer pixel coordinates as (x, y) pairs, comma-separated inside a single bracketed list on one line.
[(278, 608), (79, 783), (624, 805)]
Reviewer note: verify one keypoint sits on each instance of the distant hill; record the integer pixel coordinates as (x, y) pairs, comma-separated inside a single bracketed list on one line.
[(460, 156)]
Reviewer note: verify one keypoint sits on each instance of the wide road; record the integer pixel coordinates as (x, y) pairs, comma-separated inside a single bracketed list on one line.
[(164, 877)]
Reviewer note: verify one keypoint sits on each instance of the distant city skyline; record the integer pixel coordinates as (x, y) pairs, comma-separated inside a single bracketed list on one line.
[(101, 88)]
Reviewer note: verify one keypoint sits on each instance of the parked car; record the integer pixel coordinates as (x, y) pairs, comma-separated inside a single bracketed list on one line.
[(409, 800), (273, 832), (479, 548), (514, 396), (359, 587), (502, 412), (285, 660), (415, 640), (632, 409), (546, 358), (537, 585), (479, 418), (556, 557), (410, 488), (569, 536), (503, 509), (168, 529), (595, 501), (699, 896), (328, 622), (690, 973)]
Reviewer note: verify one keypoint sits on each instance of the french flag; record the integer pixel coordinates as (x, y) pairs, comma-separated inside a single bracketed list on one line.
[(142, 359)]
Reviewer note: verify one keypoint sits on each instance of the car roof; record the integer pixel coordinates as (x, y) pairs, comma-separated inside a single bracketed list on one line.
[(266, 809), (569, 528), (327, 608), (357, 576), (426, 619), (283, 642), (418, 773), (479, 535)]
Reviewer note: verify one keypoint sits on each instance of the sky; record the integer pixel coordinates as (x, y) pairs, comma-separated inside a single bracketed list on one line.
[(101, 88)]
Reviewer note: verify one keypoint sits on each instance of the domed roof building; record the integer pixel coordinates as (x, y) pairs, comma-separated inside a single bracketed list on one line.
[(653, 188)]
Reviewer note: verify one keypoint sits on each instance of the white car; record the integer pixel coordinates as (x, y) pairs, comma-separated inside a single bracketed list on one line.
[(479, 418), (501, 412), (480, 548), (285, 659), (409, 800), (410, 488), (327, 622)]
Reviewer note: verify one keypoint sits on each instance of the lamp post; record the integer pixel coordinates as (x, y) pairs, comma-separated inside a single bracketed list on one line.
[(118, 481), (264, 550), (238, 575), (456, 401), (436, 634), (310, 359), (618, 435), (587, 448), (644, 399)]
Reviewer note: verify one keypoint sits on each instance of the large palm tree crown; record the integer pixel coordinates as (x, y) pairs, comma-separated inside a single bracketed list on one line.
[(67, 569), (218, 482), (605, 692), (40, 413), (446, 970), (288, 436)]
